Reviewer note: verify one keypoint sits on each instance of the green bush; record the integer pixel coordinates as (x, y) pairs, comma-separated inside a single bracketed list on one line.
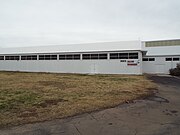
[(175, 71)]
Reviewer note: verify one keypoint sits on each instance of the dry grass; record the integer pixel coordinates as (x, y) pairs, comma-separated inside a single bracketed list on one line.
[(32, 97)]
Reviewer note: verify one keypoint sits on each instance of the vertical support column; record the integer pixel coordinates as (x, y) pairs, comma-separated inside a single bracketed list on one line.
[(140, 62)]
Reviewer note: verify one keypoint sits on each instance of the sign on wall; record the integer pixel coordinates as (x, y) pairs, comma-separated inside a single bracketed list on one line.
[(132, 62)]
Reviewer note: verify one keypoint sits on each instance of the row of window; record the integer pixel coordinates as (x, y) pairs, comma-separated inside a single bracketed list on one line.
[(123, 55), (84, 57), (69, 57), (162, 43), (166, 59), (94, 56), (11, 57), (29, 57), (74, 56), (172, 59), (47, 57), (148, 59)]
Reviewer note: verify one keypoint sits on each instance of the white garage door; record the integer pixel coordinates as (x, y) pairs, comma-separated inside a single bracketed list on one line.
[(160, 69)]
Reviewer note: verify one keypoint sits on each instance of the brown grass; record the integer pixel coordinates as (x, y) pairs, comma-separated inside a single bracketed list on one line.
[(32, 97)]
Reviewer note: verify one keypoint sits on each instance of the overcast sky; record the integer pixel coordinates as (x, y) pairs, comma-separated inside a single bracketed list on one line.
[(53, 22)]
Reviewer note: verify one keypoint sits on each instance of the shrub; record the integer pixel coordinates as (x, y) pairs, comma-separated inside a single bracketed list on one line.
[(175, 71), (178, 65)]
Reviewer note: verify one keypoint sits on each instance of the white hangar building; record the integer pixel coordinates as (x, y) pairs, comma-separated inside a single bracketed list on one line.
[(125, 57)]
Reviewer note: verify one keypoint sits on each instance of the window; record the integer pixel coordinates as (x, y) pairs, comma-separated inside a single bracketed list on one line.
[(29, 57), (94, 56), (151, 59), (76, 56), (145, 59), (62, 57), (86, 56), (41, 57), (175, 59), (172, 59), (69, 57), (133, 55), (114, 56), (11, 57), (168, 59), (148, 59), (53, 57), (123, 55), (162, 43), (1, 57), (103, 56), (47, 57)]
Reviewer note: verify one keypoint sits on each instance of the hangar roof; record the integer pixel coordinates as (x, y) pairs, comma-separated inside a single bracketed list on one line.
[(86, 47), (97, 47)]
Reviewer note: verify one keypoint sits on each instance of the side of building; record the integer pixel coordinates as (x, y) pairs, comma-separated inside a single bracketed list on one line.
[(102, 58), (125, 57), (161, 56)]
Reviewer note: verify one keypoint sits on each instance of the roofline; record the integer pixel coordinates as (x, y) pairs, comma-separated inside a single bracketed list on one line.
[(161, 55), (71, 52), (100, 42), (161, 40)]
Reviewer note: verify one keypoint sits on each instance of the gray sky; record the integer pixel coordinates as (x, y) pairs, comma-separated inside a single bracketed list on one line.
[(52, 22)]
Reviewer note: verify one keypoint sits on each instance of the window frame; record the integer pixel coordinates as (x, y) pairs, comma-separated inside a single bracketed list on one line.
[(151, 59), (124, 55), (70, 56), (12, 57), (47, 57), (145, 59), (29, 57), (168, 59), (176, 59), (1, 57)]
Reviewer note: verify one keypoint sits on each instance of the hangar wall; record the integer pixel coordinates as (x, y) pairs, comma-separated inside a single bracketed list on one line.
[(106, 66), (160, 65), (153, 57), (161, 56)]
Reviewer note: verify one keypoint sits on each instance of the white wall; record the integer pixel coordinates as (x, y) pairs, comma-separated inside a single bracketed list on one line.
[(72, 66), (160, 53), (109, 66), (159, 66)]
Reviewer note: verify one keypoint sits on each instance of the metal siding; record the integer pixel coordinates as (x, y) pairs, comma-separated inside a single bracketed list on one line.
[(152, 66), (72, 66)]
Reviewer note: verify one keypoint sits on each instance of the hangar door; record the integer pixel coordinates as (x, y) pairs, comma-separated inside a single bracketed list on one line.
[(160, 68)]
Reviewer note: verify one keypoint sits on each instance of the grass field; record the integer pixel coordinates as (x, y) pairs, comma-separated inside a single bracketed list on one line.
[(32, 97)]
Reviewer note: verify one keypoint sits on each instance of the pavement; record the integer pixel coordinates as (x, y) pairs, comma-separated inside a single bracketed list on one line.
[(155, 115)]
